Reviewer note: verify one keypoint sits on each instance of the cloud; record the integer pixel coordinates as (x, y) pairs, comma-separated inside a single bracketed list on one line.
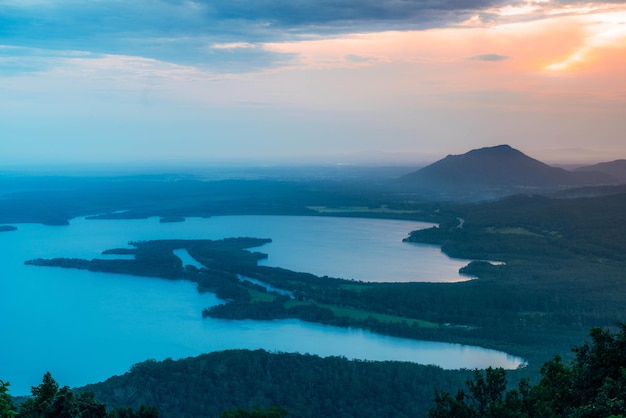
[(110, 25), (490, 57), (20, 60), (231, 36), (358, 58), (233, 45), (604, 31)]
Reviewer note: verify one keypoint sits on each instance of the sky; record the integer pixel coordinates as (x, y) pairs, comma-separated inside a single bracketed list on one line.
[(309, 81)]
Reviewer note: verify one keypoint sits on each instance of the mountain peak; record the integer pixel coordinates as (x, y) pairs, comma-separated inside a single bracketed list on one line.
[(500, 167), (496, 151), (497, 148)]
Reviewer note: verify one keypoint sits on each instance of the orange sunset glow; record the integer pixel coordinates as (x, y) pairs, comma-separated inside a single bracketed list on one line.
[(546, 77)]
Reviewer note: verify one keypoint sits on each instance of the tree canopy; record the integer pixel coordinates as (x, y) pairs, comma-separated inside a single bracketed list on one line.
[(593, 385), (48, 401), (6, 407)]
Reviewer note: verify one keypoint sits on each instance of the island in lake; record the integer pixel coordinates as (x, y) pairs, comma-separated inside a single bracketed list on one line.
[(560, 271)]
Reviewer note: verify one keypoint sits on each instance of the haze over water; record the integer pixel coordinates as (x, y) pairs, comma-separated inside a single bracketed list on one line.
[(84, 326)]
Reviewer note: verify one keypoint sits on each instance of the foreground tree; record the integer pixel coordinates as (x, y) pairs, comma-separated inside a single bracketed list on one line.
[(594, 385), (6, 407), (143, 412), (48, 401)]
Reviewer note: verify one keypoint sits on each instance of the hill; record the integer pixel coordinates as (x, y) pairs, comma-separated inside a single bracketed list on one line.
[(305, 385), (497, 171), (615, 169)]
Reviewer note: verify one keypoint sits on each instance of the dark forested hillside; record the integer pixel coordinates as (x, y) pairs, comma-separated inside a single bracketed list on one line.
[(305, 385), (593, 385), (526, 226)]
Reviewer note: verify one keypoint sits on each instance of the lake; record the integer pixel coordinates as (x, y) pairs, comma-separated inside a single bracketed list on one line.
[(84, 327)]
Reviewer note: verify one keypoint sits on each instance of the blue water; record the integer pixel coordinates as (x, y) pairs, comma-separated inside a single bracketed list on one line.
[(84, 327)]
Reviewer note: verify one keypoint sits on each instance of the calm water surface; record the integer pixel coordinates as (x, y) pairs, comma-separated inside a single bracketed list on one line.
[(84, 327)]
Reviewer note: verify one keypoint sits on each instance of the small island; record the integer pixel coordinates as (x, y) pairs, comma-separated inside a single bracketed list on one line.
[(171, 219)]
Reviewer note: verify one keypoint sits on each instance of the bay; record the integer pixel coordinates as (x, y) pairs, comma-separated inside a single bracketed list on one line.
[(84, 327)]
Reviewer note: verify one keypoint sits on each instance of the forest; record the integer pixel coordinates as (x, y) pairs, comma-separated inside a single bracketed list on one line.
[(547, 269), (239, 383)]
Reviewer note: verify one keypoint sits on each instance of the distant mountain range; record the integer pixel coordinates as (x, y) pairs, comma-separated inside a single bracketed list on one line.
[(615, 169), (502, 170)]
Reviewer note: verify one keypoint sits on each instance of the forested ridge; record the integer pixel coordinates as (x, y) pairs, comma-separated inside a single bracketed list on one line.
[(243, 383), (592, 384), (305, 385)]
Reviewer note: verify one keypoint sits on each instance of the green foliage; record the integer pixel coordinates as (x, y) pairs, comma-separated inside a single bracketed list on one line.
[(486, 398), (48, 401), (143, 412), (6, 407), (44, 396), (535, 227), (304, 385), (594, 385)]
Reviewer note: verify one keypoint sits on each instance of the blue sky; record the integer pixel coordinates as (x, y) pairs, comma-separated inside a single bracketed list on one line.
[(268, 81)]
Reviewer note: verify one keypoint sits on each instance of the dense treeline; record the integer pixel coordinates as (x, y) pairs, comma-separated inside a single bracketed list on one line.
[(47, 400), (593, 385), (243, 383), (56, 200), (565, 263), (534, 227), (304, 385), (7, 409), (50, 401)]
